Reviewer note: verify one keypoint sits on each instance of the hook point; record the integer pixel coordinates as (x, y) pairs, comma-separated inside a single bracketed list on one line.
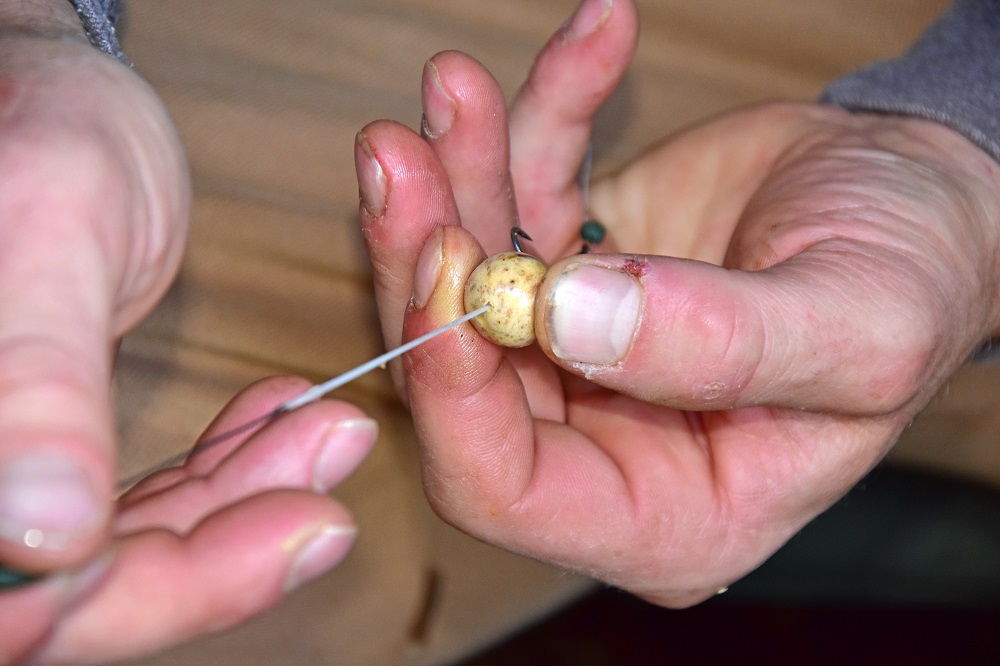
[(516, 232)]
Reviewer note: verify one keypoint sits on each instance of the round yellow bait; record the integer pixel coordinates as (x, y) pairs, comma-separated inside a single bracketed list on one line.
[(508, 282)]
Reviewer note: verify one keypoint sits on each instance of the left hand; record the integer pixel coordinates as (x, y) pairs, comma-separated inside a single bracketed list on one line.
[(203, 547), (95, 203)]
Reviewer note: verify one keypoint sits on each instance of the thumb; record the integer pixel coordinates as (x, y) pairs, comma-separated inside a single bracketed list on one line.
[(95, 199), (57, 286), (55, 417), (806, 333)]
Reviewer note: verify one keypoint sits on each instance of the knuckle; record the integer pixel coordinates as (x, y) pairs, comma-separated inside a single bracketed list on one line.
[(730, 347)]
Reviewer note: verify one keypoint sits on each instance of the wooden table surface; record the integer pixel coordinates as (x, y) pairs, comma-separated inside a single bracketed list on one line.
[(268, 97)]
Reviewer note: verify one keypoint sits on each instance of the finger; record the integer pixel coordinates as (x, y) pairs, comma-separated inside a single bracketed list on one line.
[(31, 609), (462, 389), (55, 417), (829, 329), (489, 467), (94, 199), (552, 115), (164, 588), (249, 411), (405, 195), (465, 120), (313, 448)]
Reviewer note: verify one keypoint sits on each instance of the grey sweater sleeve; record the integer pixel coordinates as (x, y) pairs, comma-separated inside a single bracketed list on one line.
[(99, 19), (951, 75)]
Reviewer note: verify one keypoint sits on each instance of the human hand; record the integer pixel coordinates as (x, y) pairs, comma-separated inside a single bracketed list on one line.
[(96, 203), (783, 289), (95, 197), (200, 548)]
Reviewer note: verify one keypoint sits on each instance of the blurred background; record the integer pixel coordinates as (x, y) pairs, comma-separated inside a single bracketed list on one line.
[(268, 97)]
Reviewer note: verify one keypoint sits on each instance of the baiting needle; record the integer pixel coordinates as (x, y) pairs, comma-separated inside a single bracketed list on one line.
[(309, 395), (320, 390)]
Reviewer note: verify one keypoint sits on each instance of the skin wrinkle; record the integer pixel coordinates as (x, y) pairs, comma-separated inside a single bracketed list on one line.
[(751, 515), (118, 146), (894, 344), (920, 351), (928, 175), (721, 554), (431, 365), (526, 504), (41, 19), (797, 249), (583, 538), (797, 236), (722, 500), (655, 528), (82, 380), (984, 283), (740, 377), (767, 352), (158, 245)]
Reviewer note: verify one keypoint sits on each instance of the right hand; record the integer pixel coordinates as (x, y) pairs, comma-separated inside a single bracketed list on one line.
[(94, 198)]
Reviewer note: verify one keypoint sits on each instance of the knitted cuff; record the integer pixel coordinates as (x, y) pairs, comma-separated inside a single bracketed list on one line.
[(99, 19)]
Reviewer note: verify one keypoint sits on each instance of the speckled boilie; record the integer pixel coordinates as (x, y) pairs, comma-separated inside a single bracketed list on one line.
[(508, 282)]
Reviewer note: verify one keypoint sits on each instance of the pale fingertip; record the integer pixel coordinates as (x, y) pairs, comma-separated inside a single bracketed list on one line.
[(345, 445), (47, 503), (316, 549)]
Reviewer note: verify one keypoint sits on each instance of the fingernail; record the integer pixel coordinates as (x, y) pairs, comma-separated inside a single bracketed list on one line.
[(428, 269), (439, 107), (589, 16), (46, 502), (371, 177), (345, 446), (317, 550), (593, 313)]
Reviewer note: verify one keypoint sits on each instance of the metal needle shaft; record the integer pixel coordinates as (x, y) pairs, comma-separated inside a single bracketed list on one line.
[(312, 394), (318, 391)]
